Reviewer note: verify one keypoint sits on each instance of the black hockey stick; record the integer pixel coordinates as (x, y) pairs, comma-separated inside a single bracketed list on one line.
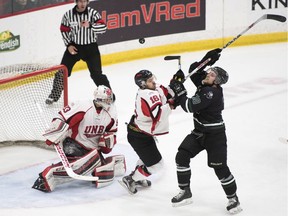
[(275, 17), (168, 58)]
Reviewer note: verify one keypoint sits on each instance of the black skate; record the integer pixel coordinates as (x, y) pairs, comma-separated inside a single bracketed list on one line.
[(183, 198), (129, 184), (50, 100), (40, 184), (143, 183), (233, 206)]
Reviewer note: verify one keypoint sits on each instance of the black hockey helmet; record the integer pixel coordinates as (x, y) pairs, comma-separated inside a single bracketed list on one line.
[(141, 78), (221, 75)]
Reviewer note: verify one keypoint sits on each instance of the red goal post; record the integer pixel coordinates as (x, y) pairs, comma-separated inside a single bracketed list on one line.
[(24, 115)]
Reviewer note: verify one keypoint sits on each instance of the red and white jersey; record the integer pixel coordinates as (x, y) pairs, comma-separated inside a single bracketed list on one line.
[(152, 111), (87, 123)]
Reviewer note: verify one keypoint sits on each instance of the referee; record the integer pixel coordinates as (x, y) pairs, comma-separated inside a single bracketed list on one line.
[(79, 28)]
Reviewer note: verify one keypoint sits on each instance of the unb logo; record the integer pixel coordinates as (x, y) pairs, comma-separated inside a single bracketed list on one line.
[(8, 41)]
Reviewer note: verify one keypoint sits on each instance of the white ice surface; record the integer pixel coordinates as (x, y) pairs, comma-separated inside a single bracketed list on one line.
[(255, 116)]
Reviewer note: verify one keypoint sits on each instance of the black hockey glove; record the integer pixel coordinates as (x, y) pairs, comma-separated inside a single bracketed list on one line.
[(179, 76), (178, 88), (193, 66), (214, 55)]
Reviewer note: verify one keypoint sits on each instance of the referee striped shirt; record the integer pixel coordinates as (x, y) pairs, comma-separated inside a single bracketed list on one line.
[(73, 33)]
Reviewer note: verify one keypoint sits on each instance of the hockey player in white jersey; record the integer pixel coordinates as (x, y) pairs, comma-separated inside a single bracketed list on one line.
[(152, 110), (85, 131)]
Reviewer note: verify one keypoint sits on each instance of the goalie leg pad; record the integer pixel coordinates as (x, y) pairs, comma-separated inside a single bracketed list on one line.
[(114, 166), (56, 175), (47, 182), (105, 173), (120, 165)]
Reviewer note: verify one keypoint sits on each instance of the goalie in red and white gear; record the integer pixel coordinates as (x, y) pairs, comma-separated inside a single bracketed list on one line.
[(85, 131)]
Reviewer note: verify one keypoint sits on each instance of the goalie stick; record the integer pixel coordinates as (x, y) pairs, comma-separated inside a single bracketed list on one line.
[(275, 17), (62, 155)]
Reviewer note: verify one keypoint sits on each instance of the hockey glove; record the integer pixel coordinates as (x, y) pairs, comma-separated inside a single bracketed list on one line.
[(178, 88), (214, 55), (107, 142), (57, 131), (179, 76), (193, 66)]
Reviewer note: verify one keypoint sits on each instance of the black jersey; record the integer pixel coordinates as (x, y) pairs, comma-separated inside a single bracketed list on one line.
[(206, 105), (73, 33)]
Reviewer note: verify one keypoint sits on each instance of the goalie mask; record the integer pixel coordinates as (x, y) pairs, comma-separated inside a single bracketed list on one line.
[(221, 75), (141, 77), (103, 96)]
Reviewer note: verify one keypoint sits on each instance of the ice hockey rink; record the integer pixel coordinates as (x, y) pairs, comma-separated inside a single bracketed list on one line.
[(256, 119)]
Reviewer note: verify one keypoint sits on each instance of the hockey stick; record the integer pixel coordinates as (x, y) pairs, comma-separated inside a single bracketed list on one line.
[(62, 155), (275, 17), (168, 58)]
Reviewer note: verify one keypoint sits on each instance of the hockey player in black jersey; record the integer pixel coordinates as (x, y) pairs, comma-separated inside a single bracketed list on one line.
[(209, 129)]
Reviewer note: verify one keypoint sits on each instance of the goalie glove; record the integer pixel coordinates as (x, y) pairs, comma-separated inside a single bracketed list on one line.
[(57, 131), (107, 142)]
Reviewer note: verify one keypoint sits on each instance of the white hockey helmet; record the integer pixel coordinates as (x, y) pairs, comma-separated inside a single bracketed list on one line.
[(103, 96)]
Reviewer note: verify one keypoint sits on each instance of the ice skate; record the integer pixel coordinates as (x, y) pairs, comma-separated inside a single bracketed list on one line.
[(183, 198), (40, 184), (233, 206), (129, 184), (143, 183), (49, 101)]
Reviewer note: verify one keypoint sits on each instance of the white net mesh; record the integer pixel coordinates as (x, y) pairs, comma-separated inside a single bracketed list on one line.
[(18, 69), (24, 115)]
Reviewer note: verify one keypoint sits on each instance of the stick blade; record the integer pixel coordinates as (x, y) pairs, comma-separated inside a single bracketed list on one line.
[(276, 17), (167, 58)]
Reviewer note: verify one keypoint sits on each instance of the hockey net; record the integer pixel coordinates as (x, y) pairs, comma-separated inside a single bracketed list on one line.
[(24, 115)]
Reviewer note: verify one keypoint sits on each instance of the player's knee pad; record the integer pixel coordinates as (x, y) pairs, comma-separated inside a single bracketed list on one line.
[(156, 167), (114, 166), (222, 171), (182, 158)]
